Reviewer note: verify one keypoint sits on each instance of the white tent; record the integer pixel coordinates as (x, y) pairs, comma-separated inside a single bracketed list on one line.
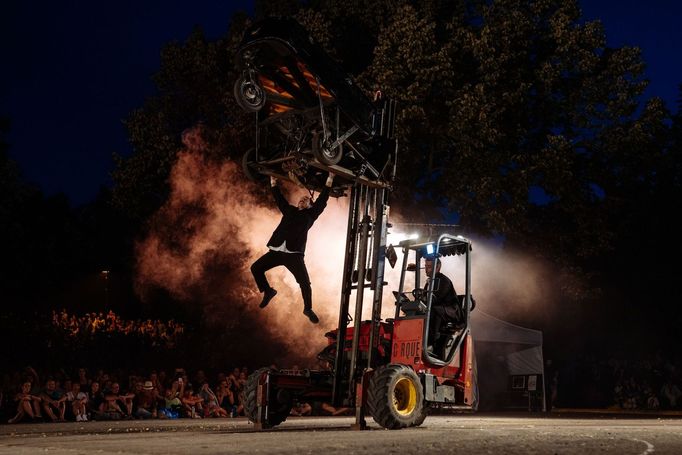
[(509, 363)]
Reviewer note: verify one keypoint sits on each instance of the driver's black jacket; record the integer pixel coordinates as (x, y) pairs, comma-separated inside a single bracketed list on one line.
[(444, 302), (295, 224)]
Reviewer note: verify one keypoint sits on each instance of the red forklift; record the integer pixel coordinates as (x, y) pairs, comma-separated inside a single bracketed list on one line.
[(312, 119), (385, 369)]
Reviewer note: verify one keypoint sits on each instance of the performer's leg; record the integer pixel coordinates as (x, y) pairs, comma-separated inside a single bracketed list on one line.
[(296, 266), (263, 264)]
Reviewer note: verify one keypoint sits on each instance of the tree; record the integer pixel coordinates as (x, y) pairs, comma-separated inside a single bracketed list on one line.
[(515, 115)]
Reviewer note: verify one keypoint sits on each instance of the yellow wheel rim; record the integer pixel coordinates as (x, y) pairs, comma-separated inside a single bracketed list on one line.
[(404, 396)]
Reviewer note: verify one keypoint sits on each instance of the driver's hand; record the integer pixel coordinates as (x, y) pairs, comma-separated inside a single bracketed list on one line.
[(330, 180), (273, 180)]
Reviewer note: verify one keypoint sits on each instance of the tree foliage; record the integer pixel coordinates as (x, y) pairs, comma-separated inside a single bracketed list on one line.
[(515, 115)]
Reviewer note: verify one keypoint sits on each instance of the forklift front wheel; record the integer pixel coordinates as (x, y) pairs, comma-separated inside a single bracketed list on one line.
[(395, 397)]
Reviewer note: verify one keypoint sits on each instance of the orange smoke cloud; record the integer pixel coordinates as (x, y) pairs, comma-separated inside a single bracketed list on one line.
[(215, 225)]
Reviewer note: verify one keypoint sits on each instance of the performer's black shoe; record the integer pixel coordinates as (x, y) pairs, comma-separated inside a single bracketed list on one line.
[(267, 296), (311, 315)]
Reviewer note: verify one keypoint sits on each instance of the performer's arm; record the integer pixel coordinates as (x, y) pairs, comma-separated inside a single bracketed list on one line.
[(282, 203), (321, 202)]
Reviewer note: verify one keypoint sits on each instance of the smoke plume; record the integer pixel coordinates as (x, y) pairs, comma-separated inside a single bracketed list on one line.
[(215, 224)]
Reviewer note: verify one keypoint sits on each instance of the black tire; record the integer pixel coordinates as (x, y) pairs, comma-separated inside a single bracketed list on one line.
[(249, 95), (422, 416), (395, 398), (248, 161), (248, 395), (277, 412), (322, 154)]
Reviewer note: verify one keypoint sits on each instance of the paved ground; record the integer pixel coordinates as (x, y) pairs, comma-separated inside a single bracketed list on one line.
[(472, 434)]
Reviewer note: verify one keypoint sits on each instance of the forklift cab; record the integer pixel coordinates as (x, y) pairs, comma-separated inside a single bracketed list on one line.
[(414, 308)]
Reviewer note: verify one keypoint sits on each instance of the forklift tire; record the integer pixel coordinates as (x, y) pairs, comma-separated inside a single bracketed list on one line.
[(249, 95), (395, 398), (422, 417), (322, 154), (276, 413), (247, 166)]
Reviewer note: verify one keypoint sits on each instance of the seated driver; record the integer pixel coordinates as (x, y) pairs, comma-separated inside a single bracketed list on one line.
[(444, 304)]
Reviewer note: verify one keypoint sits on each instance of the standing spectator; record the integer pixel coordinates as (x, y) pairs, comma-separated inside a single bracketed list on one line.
[(28, 406), (54, 401), (78, 400)]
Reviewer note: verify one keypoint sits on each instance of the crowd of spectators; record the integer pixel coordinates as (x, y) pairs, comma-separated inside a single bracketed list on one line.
[(651, 383), (81, 397), (117, 396), (86, 328)]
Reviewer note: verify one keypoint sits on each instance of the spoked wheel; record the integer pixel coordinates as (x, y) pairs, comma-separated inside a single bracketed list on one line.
[(323, 154), (249, 94), (248, 162), (279, 404), (395, 398)]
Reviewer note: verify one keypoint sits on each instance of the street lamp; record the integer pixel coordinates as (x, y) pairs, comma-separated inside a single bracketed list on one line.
[(105, 275)]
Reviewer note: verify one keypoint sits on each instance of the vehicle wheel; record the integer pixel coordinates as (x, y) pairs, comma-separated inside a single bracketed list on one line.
[(248, 160), (395, 398), (278, 407), (422, 416), (324, 155), (249, 95)]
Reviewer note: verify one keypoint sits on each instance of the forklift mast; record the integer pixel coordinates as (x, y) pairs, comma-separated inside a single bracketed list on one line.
[(364, 264)]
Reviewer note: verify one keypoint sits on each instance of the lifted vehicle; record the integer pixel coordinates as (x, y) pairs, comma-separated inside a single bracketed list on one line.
[(383, 368), (310, 116)]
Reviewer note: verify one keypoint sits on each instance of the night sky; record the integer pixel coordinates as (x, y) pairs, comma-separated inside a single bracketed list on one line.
[(73, 70)]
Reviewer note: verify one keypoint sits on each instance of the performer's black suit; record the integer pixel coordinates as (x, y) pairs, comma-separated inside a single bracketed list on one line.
[(291, 233)]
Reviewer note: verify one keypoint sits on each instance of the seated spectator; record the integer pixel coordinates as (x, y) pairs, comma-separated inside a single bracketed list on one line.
[(117, 402), (54, 401), (96, 402), (226, 397), (300, 409), (322, 408), (199, 377), (145, 401), (83, 379), (28, 406), (210, 402), (237, 389), (670, 394), (154, 379), (172, 403), (78, 401), (192, 404)]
